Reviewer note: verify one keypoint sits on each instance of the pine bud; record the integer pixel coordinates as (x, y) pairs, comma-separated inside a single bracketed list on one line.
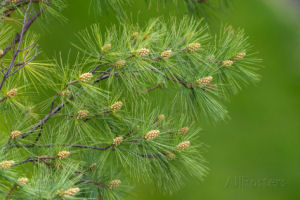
[(1, 52), (23, 181), (116, 106), (204, 81), (151, 134), (120, 63), (240, 55), (66, 93), (170, 156), (134, 35), (117, 141), (86, 77), (161, 117), (63, 154), (15, 134), (184, 130), (6, 164), (81, 114), (227, 63), (71, 192), (193, 46), (183, 145), (60, 192), (166, 54), (12, 92), (143, 52), (106, 47), (114, 184), (92, 166)]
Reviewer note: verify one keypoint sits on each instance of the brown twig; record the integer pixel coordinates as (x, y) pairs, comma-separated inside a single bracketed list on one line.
[(15, 186)]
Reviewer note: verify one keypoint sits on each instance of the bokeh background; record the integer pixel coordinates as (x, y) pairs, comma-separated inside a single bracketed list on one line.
[(256, 154)]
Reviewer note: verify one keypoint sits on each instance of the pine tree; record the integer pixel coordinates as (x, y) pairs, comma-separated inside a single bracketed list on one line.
[(125, 109)]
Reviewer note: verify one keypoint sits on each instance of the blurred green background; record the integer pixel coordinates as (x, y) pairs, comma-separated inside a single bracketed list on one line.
[(256, 154)]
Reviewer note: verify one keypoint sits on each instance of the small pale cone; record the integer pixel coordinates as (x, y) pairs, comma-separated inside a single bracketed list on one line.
[(120, 63), (106, 47), (1, 52), (240, 55), (184, 130), (86, 77), (134, 35), (183, 145), (60, 192), (228, 63), (152, 134), (117, 141), (116, 106), (143, 52), (15, 134), (211, 58), (114, 184), (66, 93), (6, 164), (81, 114), (23, 181), (71, 192), (12, 92), (166, 54), (161, 117), (193, 46), (205, 80), (63, 154), (170, 156)]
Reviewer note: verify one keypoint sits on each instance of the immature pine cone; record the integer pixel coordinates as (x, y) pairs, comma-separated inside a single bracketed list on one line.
[(227, 63), (23, 181), (81, 114), (143, 52), (116, 106), (240, 55), (161, 117), (15, 134), (170, 156), (86, 77), (63, 154), (12, 92), (134, 35), (114, 184), (205, 80), (71, 192), (1, 52), (183, 145), (106, 47), (184, 130), (166, 54), (193, 46), (151, 134), (6, 164), (66, 93), (120, 63), (117, 141)]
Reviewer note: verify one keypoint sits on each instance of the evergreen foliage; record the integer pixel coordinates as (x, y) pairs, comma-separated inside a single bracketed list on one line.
[(123, 111)]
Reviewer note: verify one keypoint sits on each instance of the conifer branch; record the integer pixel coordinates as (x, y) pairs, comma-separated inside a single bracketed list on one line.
[(103, 111)]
